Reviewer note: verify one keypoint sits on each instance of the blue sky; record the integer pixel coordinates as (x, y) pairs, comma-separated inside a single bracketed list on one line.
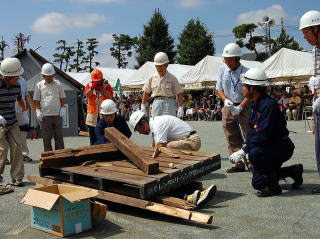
[(48, 21)]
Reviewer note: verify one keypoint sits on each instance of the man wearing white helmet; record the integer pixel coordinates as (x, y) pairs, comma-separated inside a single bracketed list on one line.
[(49, 101), (110, 118), (10, 92), (171, 132), (235, 114), (268, 144), (310, 26), (163, 87)]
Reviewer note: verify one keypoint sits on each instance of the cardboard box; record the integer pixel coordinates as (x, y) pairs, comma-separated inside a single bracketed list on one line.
[(60, 209)]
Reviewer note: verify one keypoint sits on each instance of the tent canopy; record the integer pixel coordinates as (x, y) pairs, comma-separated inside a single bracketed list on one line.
[(148, 68), (289, 64), (110, 74), (207, 70)]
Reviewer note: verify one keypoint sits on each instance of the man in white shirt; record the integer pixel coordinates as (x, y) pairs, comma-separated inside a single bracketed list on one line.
[(49, 101), (170, 131)]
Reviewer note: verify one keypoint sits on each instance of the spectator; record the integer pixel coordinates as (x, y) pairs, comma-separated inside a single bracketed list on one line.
[(294, 105), (49, 99)]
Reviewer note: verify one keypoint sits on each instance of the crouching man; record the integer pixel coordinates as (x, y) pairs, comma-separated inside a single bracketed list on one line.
[(171, 132), (268, 144), (110, 118)]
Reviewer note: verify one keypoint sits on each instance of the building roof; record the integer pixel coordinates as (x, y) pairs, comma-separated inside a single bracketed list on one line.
[(43, 60)]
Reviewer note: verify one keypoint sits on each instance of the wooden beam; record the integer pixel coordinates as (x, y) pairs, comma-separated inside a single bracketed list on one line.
[(139, 203), (134, 153)]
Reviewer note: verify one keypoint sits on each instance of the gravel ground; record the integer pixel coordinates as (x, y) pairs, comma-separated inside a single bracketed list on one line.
[(237, 212)]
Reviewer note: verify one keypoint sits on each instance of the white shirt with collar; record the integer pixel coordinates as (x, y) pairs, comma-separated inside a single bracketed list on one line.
[(49, 95), (167, 128)]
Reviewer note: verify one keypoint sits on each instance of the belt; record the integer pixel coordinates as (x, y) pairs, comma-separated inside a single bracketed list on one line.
[(191, 133), (162, 97)]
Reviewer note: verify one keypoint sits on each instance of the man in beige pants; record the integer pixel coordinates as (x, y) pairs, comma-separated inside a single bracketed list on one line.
[(171, 132), (10, 92)]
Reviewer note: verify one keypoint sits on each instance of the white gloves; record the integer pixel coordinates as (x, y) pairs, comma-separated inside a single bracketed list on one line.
[(240, 155), (235, 110), (39, 114), (316, 106), (2, 121), (144, 108), (63, 112), (228, 103)]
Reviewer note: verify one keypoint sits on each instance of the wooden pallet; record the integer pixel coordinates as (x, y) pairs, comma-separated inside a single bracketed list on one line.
[(167, 205), (109, 170)]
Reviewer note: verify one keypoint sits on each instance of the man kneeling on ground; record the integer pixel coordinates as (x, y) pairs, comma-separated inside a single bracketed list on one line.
[(110, 118), (171, 132), (268, 144)]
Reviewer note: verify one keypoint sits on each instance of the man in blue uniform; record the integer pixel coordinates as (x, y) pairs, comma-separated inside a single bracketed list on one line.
[(268, 144), (110, 119)]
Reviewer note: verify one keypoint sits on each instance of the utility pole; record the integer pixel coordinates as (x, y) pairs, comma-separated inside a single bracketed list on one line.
[(266, 24)]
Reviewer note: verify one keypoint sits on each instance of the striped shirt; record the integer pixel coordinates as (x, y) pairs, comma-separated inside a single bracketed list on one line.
[(8, 97), (316, 61)]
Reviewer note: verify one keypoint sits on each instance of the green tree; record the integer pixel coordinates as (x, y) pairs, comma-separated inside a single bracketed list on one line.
[(78, 59), (69, 53), (121, 48), (92, 45), (20, 40), (59, 57), (245, 31), (195, 43), (3, 46), (284, 40), (155, 38)]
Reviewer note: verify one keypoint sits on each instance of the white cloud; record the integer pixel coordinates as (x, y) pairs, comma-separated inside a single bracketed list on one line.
[(275, 12), (57, 23), (97, 1), (191, 3), (105, 38)]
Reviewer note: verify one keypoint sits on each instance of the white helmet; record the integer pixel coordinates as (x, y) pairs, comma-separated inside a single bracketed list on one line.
[(232, 50), (136, 117), (311, 18), (108, 107), (161, 58), (48, 70), (255, 76), (11, 67)]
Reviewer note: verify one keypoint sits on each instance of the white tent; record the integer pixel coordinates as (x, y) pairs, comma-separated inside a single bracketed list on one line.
[(148, 68), (289, 64), (207, 70), (81, 77), (110, 74)]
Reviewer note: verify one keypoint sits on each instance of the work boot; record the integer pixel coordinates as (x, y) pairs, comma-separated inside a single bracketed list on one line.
[(272, 188), (193, 198), (207, 195), (294, 172)]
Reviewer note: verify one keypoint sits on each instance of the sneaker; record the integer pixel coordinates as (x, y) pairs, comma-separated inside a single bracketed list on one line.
[(18, 183), (207, 195), (26, 158), (193, 198), (297, 176)]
